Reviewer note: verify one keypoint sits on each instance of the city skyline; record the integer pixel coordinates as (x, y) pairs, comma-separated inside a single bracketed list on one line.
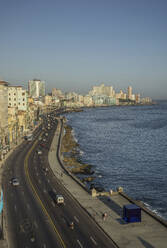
[(75, 45)]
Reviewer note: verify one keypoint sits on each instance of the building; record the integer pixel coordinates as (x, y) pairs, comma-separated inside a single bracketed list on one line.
[(48, 100), (17, 98), (57, 93), (129, 95), (137, 98), (4, 136), (13, 126), (88, 101), (102, 90), (36, 88)]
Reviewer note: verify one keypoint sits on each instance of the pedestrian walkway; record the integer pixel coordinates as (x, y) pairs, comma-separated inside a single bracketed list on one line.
[(149, 233)]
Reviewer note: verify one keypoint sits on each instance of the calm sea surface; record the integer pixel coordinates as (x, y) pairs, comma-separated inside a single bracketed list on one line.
[(127, 146)]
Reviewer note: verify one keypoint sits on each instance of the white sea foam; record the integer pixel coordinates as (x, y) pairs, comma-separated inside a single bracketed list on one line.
[(81, 152), (74, 136), (155, 211)]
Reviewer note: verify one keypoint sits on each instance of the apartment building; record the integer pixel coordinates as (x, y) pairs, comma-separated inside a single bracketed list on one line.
[(17, 98), (4, 139)]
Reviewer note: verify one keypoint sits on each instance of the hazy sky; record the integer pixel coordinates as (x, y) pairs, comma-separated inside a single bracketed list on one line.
[(75, 44)]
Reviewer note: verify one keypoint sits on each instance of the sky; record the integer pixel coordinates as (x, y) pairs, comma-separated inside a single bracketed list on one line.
[(75, 44)]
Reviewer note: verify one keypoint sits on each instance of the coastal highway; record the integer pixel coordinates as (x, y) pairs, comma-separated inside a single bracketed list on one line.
[(33, 217)]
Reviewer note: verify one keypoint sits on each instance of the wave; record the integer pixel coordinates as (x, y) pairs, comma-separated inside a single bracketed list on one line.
[(153, 210)]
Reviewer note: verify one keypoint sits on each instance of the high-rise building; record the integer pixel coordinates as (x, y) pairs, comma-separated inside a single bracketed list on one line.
[(36, 88), (129, 92)]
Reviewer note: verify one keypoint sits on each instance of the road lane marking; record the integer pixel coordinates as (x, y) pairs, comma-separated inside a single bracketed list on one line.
[(28, 205), (15, 208), (44, 246), (63, 220), (76, 219), (35, 224), (53, 204), (93, 240), (37, 196), (79, 243)]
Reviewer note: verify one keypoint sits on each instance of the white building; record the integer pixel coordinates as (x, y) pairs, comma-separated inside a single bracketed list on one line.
[(36, 88), (88, 101), (17, 97), (102, 90)]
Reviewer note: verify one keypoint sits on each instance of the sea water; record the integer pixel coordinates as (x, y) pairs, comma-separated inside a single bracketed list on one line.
[(127, 147)]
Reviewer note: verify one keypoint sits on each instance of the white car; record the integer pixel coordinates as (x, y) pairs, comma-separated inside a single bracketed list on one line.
[(15, 182), (59, 199), (39, 152)]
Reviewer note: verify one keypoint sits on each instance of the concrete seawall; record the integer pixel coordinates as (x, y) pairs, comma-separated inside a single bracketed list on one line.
[(151, 232)]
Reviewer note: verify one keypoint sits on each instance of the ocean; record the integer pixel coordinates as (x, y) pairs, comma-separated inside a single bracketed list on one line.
[(127, 147)]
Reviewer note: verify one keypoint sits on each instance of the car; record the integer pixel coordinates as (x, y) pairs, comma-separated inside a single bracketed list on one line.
[(71, 225), (45, 169), (39, 152), (59, 199), (14, 182), (42, 145)]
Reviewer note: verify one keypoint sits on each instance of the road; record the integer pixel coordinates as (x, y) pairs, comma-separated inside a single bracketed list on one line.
[(33, 217)]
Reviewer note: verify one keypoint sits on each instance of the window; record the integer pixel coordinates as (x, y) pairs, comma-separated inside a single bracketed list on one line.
[(9, 99), (23, 99), (23, 94), (14, 99)]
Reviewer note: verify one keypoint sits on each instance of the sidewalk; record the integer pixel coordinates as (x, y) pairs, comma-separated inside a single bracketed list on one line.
[(149, 233)]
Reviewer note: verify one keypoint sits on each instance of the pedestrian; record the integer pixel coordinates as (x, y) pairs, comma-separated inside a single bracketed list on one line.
[(104, 216)]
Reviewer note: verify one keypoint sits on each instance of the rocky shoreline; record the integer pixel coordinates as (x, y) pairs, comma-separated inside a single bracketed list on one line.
[(71, 156)]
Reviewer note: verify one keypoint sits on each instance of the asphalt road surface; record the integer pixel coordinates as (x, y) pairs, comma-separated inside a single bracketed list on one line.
[(33, 218)]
